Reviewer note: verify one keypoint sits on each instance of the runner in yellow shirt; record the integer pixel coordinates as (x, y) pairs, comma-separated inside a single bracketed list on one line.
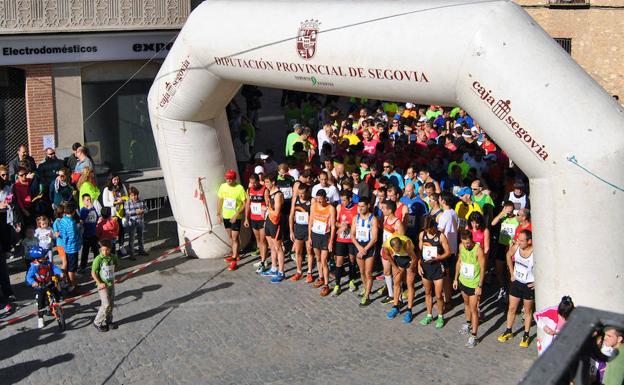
[(231, 198)]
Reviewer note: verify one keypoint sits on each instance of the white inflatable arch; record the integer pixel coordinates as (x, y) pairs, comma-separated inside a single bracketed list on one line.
[(490, 57)]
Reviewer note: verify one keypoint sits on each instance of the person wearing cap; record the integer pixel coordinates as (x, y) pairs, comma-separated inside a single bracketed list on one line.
[(519, 197), (465, 206), (292, 138), (231, 199), (39, 276), (270, 165)]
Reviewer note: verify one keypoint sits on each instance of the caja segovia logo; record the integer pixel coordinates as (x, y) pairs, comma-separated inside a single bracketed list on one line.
[(306, 39)]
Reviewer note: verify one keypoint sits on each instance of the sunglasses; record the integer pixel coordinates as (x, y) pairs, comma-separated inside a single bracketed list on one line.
[(4, 174), (21, 174), (51, 153)]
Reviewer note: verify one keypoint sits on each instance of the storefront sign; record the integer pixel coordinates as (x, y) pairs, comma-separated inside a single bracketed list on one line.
[(16, 50)]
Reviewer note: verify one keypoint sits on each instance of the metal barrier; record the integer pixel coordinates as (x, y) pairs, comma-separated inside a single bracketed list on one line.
[(568, 359)]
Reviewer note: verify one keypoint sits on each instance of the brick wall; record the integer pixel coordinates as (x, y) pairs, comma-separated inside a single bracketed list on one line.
[(39, 107)]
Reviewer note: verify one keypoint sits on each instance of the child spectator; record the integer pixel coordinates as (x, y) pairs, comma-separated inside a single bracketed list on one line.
[(71, 238), (39, 276), (135, 210), (45, 235), (89, 217), (59, 211), (29, 241), (103, 272), (107, 227)]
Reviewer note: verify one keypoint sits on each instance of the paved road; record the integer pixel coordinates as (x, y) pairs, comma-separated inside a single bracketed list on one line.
[(191, 321)]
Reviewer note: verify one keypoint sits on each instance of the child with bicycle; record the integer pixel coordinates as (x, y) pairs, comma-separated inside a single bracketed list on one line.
[(103, 273), (40, 276)]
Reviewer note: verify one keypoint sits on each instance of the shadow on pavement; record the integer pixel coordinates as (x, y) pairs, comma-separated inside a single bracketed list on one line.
[(17, 372), (27, 339)]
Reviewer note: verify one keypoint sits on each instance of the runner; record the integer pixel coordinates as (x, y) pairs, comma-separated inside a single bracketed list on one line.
[(524, 222), (520, 262), (482, 199), (364, 229), (465, 206), (298, 223), (274, 199), (416, 212), (255, 211), (391, 226), (435, 250), (508, 225), (448, 224), (402, 256), (469, 279), (321, 231), (231, 201), (285, 184), (344, 216)]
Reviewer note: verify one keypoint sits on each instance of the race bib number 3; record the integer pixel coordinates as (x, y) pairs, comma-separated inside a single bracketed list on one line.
[(430, 252), (467, 270), (229, 203), (319, 227), (508, 229)]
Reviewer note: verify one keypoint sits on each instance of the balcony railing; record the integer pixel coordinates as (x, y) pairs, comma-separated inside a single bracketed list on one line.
[(37, 16), (568, 358), (569, 4)]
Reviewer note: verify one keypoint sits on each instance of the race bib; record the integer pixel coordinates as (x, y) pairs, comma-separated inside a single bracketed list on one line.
[(256, 208), (361, 234), (345, 235), (107, 272), (467, 270), (521, 272), (319, 227), (301, 218), (355, 191), (411, 221), (508, 229), (287, 191), (229, 204), (430, 252)]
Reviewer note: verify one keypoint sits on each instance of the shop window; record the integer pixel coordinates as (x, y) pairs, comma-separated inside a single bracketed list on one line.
[(565, 43), (119, 135)]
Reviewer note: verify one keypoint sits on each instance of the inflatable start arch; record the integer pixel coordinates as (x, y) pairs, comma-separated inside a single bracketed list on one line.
[(490, 57)]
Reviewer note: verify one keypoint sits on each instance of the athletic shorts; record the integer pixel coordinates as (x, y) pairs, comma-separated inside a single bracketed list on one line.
[(521, 290), (272, 230), (320, 241), (433, 271), (72, 262), (234, 226), (342, 248), (464, 289), (301, 232), (257, 224), (402, 261), (354, 250)]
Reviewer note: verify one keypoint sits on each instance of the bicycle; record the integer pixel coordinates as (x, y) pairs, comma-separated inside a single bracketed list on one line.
[(55, 308)]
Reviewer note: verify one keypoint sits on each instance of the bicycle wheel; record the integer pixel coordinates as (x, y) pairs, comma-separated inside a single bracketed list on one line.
[(60, 317)]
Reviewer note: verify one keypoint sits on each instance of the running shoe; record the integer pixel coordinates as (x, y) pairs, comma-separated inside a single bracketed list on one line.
[(255, 253), (440, 322), (325, 291), (296, 277), (407, 318), (40, 323), (393, 312), (352, 286), (507, 334), (365, 301), (472, 342), (228, 259), (362, 292), (260, 268), (269, 273), (232, 266), (380, 277), (427, 320), (525, 341), (465, 329), (336, 292), (279, 277), (319, 282), (258, 264), (309, 278), (387, 300), (12, 297), (382, 290), (7, 308), (404, 296)]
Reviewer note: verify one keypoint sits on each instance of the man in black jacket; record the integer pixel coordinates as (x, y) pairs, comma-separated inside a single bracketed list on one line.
[(48, 168), (22, 155)]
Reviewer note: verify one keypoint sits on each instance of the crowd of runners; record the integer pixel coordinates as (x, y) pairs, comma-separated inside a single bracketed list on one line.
[(411, 192)]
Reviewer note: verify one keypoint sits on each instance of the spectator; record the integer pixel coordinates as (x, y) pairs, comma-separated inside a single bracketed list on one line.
[(22, 156), (114, 196), (49, 168), (84, 160), (72, 160), (103, 273), (89, 217), (135, 210), (70, 234), (61, 191), (87, 185)]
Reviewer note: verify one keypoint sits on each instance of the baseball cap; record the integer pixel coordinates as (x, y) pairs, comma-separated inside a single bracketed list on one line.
[(464, 191), (491, 157), (409, 105), (467, 134), (230, 174), (259, 170), (261, 155)]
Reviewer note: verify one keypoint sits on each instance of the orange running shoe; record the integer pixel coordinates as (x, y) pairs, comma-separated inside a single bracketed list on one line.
[(232, 266), (296, 277), (319, 282), (309, 278), (325, 291)]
